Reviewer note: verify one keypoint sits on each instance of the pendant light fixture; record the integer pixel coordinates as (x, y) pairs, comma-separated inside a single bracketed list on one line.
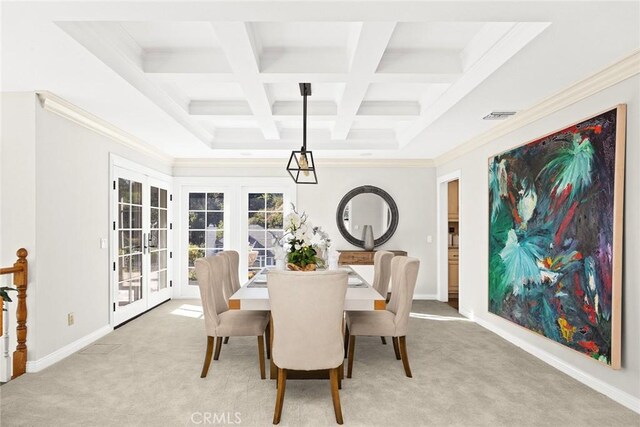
[(301, 166)]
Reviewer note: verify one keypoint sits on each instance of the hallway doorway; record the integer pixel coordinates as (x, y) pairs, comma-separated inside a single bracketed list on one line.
[(453, 238)]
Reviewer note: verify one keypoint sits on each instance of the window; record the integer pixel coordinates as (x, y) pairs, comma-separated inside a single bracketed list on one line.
[(158, 239), (129, 241), (206, 228), (265, 215)]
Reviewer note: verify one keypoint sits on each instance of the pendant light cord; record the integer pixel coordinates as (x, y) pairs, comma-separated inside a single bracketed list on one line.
[(304, 122)]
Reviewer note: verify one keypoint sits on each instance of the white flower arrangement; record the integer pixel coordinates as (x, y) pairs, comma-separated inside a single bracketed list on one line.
[(302, 241)]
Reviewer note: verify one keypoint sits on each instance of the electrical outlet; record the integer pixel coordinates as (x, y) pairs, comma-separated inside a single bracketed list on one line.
[(429, 239), (70, 319), (103, 243)]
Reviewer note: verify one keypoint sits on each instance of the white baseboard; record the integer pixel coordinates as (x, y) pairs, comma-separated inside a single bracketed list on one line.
[(614, 393), (67, 350), (466, 313), (425, 296)]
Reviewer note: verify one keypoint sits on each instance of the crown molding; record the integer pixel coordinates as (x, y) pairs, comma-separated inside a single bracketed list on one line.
[(64, 108), (612, 75), (281, 163)]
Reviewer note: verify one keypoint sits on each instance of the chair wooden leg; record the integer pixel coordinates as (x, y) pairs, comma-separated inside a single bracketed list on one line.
[(396, 348), (340, 375), (352, 349), (405, 356), (334, 375), (384, 340), (207, 357), (346, 340), (226, 340), (267, 335), (282, 381), (216, 355), (261, 355), (273, 370)]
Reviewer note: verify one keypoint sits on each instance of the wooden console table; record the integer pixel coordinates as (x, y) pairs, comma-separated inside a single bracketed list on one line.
[(362, 257)]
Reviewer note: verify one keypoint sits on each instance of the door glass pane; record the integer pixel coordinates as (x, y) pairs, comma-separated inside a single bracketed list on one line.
[(206, 228), (163, 198), (129, 235), (265, 216), (158, 240), (136, 193)]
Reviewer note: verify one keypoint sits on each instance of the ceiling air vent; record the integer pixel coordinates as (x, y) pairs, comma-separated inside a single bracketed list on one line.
[(499, 115)]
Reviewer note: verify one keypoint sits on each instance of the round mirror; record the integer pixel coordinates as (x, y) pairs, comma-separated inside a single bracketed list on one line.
[(367, 205)]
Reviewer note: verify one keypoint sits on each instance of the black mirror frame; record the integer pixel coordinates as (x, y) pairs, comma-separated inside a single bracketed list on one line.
[(364, 190)]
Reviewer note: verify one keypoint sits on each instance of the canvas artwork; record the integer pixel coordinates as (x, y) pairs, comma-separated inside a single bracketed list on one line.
[(555, 235)]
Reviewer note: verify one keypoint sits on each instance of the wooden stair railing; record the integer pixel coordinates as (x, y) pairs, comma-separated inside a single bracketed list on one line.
[(19, 271)]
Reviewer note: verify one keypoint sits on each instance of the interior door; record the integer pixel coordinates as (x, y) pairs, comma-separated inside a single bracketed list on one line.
[(140, 239)]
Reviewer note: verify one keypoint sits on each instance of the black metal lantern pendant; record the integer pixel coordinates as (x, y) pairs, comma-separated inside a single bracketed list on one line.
[(301, 166)]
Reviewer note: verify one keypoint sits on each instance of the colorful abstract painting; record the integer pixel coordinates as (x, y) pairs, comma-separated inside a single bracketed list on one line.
[(555, 213)]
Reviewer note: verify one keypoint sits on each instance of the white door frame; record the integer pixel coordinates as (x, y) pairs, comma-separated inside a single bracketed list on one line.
[(442, 195), (182, 256), (116, 162), (234, 188)]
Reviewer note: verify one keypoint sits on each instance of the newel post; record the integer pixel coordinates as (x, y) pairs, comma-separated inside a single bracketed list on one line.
[(20, 281)]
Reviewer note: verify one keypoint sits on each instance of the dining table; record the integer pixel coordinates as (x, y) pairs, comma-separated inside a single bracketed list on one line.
[(254, 295)]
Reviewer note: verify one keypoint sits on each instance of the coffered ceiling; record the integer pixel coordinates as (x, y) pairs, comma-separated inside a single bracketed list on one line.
[(220, 79)]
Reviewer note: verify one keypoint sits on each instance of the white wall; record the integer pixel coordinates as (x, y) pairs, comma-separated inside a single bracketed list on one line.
[(18, 200), (412, 188), (65, 216), (624, 384)]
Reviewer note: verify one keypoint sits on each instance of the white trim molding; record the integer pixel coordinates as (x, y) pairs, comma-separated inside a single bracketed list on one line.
[(614, 74), (442, 221), (608, 390), (69, 111), (282, 163), (67, 350)]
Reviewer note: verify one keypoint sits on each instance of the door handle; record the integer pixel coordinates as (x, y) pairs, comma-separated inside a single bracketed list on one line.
[(145, 247)]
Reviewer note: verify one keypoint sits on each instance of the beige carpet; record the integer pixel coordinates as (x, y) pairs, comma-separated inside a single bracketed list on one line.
[(148, 373)]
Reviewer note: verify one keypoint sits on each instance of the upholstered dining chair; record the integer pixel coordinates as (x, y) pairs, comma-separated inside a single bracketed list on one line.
[(218, 319), (233, 282), (307, 311), (382, 275), (394, 321)]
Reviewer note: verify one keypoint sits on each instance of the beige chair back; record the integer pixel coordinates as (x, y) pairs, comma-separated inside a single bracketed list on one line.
[(307, 310), (232, 281), (210, 272), (382, 271), (404, 273)]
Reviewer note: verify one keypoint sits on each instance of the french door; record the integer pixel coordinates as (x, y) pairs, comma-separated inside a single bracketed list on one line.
[(140, 241)]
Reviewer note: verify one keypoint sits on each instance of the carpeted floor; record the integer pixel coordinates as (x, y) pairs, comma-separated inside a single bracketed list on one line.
[(148, 373)]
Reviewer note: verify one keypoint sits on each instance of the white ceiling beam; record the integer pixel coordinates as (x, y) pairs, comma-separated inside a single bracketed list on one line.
[(483, 41), (238, 45), (251, 139), (220, 108), (314, 108), (317, 110), (315, 60), (515, 38), (166, 65), (421, 61), (426, 78), (408, 109), (113, 45), (186, 61), (367, 52)]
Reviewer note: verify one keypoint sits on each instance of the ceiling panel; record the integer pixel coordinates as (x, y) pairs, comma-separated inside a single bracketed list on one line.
[(434, 35), (170, 35)]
